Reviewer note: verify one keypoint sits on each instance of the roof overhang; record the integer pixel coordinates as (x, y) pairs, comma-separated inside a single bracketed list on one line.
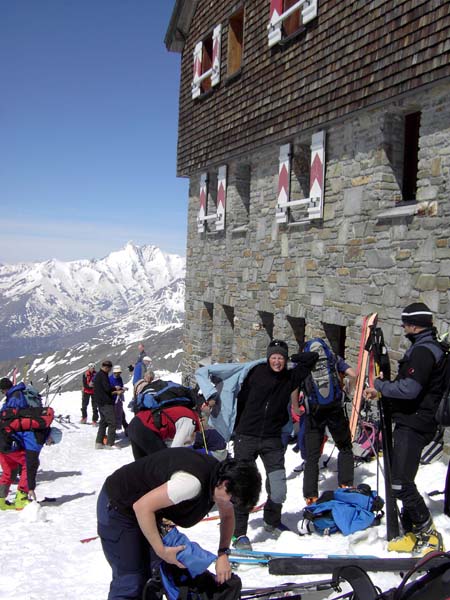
[(180, 21)]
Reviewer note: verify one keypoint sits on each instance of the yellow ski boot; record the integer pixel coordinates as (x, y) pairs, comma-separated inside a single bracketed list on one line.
[(429, 541), (21, 500), (403, 543), (5, 505)]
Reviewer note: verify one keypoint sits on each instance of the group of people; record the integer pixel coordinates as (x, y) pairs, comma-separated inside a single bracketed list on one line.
[(180, 486)]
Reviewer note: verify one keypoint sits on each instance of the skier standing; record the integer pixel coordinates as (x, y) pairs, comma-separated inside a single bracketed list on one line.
[(88, 394), (414, 394)]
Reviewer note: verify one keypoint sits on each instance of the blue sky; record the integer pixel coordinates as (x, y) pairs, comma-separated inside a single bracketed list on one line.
[(88, 129)]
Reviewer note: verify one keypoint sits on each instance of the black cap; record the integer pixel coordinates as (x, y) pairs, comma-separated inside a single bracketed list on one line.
[(5, 383), (418, 314), (107, 363), (277, 347)]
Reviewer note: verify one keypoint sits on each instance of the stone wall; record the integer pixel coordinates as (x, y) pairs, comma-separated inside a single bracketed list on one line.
[(259, 279)]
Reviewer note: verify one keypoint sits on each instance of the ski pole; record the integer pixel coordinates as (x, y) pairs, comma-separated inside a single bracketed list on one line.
[(58, 391)]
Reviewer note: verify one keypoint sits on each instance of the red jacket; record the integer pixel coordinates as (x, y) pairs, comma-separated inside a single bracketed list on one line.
[(88, 378), (169, 417)]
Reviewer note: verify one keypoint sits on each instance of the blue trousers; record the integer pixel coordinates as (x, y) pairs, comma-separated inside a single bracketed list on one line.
[(126, 549)]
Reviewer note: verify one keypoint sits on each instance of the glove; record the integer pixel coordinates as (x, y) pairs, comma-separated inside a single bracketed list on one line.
[(306, 359), (130, 368)]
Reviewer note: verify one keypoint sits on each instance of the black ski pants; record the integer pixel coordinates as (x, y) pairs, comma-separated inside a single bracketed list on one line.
[(143, 440), (107, 422), (332, 416), (84, 404), (271, 451), (407, 450)]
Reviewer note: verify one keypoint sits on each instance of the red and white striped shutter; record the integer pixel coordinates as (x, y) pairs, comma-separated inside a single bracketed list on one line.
[(203, 203), (217, 38), (309, 11), (317, 176), (284, 183), (221, 197), (275, 29), (198, 50)]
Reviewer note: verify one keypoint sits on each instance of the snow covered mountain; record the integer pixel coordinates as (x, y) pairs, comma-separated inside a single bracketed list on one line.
[(132, 294)]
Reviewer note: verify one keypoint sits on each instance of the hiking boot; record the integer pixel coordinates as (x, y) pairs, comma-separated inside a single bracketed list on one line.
[(94, 424), (311, 500), (99, 446), (111, 447), (275, 530), (300, 468), (241, 543), (21, 500), (105, 440), (5, 505), (83, 420)]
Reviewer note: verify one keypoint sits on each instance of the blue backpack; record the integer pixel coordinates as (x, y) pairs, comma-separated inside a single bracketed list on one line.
[(323, 385), (168, 395), (345, 510), (33, 397)]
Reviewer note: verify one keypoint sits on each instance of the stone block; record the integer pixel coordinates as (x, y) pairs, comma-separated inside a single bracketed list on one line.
[(425, 282), (353, 200)]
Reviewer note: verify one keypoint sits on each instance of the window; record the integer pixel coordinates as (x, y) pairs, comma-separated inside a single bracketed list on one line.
[(401, 134), (235, 42), (292, 23), (336, 335), (207, 56), (411, 156), (207, 63), (288, 16), (212, 200)]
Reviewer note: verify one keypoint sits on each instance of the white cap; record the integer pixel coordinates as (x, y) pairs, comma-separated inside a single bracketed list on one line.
[(117, 369), (147, 358), (91, 365)]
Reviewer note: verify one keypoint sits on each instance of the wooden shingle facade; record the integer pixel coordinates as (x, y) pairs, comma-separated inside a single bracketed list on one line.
[(319, 168)]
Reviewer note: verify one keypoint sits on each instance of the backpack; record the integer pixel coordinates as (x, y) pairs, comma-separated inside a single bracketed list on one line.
[(434, 450), (323, 384), (442, 415), (368, 441), (33, 397), (169, 394), (344, 510)]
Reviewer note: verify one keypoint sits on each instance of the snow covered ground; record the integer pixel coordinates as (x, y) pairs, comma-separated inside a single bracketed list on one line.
[(42, 557)]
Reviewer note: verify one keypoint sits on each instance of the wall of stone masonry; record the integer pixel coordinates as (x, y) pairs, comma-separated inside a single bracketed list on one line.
[(331, 272)]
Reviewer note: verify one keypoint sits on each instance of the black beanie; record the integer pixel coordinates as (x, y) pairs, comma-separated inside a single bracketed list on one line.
[(418, 314), (5, 383), (277, 347)]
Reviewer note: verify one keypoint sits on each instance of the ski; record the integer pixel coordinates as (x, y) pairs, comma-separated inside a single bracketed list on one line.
[(363, 364), (326, 584), (269, 554), (318, 565)]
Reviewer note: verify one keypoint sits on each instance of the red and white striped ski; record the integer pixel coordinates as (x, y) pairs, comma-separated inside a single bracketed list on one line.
[(363, 368)]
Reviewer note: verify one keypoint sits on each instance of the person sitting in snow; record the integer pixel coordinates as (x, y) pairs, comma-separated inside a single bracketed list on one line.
[(18, 450)]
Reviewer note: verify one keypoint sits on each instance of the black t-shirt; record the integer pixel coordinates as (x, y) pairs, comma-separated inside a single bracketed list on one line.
[(129, 483)]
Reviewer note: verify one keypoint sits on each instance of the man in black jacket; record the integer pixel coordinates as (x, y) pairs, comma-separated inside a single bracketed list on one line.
[(103, 397), (175, 484), (262, 412), (414, 394)]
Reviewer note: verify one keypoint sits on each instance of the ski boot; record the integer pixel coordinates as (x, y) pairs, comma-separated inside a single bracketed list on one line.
[(311, 500), (83, 420), (275, 530), (21, 500), (420, 541), (5, 505), (241, 543)]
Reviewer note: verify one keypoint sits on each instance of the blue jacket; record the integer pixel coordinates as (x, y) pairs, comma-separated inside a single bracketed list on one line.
[(114, 380), (24, 440), (228, 378)]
